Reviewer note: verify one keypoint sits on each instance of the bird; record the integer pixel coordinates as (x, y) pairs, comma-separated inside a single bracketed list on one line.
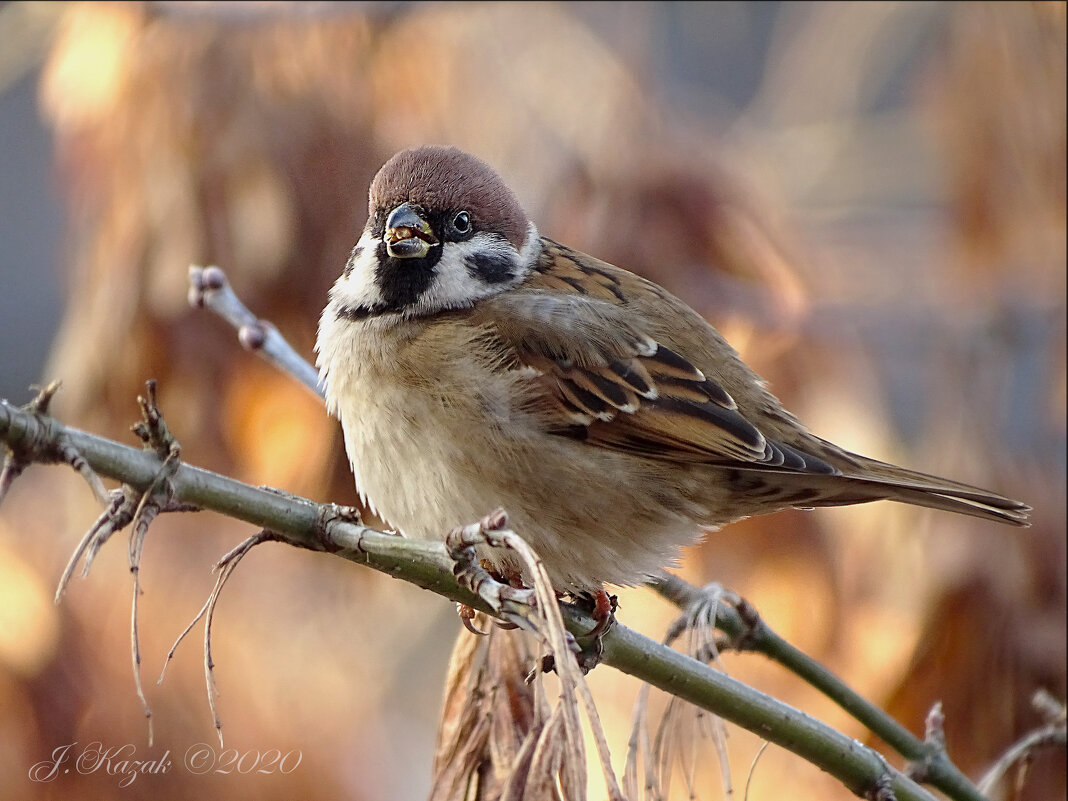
[(475, 364)]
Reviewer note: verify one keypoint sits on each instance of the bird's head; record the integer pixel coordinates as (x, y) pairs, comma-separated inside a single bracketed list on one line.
[(443, 231)]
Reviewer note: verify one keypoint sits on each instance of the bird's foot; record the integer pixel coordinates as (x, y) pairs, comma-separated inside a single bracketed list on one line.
[(603, 611), (589, 647), (467, 613), (495, 593)]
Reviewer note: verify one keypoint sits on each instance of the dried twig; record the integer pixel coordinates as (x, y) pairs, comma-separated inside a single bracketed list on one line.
[(559, 751), (491, 720), (682, 726), (225, 568), (752, 769), (1052, 733), (129, 505), (746, 631)]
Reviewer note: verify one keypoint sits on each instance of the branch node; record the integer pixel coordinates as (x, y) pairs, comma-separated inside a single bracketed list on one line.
[(329, 514), (152, 429), (253, 337), (44, 443), (882, 790), (934, 745)]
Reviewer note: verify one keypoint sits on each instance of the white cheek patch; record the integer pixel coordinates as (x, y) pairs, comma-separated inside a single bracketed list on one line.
[(466, 272), (482, 266), (456, 283), (357, 288)]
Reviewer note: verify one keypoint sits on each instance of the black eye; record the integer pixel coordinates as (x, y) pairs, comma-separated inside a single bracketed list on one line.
[(462, 223)]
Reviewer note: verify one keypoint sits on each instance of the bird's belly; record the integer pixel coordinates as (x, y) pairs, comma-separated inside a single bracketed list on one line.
[(434, 451), (591, 514), (412, 464)]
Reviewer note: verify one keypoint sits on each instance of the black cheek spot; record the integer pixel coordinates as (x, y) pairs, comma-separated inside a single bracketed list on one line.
[(491, 268)]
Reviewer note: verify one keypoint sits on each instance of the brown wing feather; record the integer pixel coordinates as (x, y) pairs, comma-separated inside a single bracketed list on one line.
[(607, 382)]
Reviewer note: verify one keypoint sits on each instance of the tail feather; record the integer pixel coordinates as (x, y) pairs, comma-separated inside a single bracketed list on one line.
[(878, 480)]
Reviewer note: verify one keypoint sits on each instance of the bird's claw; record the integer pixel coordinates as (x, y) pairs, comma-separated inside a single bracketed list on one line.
[(461, 543)]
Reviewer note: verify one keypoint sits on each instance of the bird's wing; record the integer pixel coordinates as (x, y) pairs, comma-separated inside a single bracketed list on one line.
[(603, 380), (575, 331)]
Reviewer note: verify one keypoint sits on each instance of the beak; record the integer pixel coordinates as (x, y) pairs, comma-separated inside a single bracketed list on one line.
[(408, 235)]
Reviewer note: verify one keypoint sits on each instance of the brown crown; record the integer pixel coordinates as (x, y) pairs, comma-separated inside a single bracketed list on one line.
[(442, 178)]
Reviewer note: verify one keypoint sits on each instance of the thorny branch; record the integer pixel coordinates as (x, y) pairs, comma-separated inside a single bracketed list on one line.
[(294, 521)]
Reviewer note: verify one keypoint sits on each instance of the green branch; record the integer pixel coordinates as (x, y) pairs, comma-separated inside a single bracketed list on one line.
[(33, 436)]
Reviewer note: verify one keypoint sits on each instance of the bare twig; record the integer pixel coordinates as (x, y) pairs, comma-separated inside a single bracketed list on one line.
[(1053, 733), (129, 505), (157, 498), (752, 769), (115, 517), (225, 568), (934, 742), (209, 288)]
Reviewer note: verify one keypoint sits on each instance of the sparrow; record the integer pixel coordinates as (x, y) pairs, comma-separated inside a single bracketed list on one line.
[(475, 364)]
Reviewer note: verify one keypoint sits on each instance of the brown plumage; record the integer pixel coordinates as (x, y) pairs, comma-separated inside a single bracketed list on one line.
[(473, 367)]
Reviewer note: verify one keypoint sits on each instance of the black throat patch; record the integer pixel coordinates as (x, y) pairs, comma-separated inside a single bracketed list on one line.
[(402, 282)]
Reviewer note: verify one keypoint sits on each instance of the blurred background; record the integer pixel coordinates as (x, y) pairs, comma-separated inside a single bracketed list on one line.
[(868, 199)]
